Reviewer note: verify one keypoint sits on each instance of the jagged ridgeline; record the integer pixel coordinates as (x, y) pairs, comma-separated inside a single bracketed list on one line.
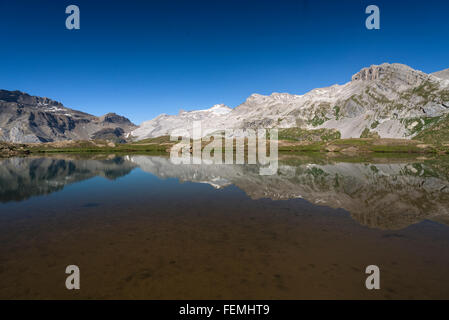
[(28, 119), (384, 101)]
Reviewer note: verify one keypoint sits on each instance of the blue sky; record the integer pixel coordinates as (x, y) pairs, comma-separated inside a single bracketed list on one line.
[(142, 58)]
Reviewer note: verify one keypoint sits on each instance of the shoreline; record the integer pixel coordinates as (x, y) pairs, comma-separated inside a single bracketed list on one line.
[(162, 145)]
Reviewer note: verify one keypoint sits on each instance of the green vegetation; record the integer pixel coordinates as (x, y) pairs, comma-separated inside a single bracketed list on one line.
[(365, 133), (433, 139), (337, 112), (312, 147), (377, 97), (316, 172), (416, 125), (355, 99), (369, 134), (320, 112), (158, 140), (444, 94), (427, 90), (298, 134), (374, 169), (317, 121), (157, 145), (368, 145), (435, 132)]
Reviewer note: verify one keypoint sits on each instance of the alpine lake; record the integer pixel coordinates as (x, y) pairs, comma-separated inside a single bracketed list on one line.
[(141, 227)]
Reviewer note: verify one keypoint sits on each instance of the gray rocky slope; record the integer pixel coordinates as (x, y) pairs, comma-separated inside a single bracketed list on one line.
[(25, 118), (443, 74), (393, 100)]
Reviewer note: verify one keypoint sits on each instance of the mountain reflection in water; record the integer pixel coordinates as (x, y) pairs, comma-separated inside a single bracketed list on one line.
[(381, 193)]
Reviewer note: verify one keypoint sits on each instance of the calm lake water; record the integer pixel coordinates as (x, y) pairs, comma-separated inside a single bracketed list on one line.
[(140, 227)]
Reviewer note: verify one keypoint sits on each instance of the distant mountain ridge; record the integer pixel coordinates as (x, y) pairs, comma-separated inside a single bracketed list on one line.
[(27, 119), (387, 100), (443, 74), (164, 124)]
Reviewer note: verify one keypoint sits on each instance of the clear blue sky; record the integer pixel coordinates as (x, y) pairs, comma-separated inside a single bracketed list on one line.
[(142, 58)]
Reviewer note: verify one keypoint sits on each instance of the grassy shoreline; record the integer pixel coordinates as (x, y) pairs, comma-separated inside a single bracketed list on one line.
[(367, 145), (163, 145)]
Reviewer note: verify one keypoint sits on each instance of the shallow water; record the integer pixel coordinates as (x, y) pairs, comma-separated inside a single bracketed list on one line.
[(140, 227)]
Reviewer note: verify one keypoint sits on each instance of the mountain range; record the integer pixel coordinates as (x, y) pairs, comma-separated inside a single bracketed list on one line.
[(386, 101), (29, 119)]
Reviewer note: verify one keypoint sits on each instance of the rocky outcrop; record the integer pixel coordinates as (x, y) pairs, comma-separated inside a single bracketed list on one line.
[(396, 74), (28, 119), (116, 135), (371, 73)]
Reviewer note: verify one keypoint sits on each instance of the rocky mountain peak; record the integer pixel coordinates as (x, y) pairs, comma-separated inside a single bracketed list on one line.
[(26, 99), (393, 73), (220, 109), (370, 73), (115, 118), (219, 106)]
